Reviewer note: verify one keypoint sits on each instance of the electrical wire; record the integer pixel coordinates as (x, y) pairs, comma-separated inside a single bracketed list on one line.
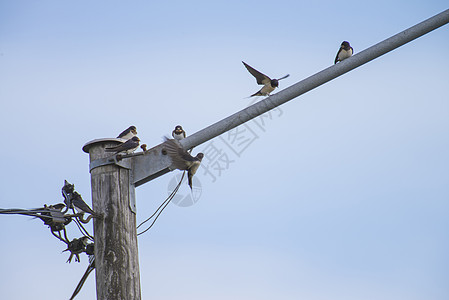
[(161, 207)]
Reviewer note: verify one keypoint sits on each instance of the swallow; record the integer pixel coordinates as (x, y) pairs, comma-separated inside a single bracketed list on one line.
[(344, 52), (130, 132), (268, 84), (67, 193), (76, 246), (53, 216), (80, 205), (178, 133), (129, 146), (67, 188), (143, 147), (181, 159), (90, 249)]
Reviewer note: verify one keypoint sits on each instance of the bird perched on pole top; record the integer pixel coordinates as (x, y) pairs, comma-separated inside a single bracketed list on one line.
[(129, 133), (181, 159), (268, 84), (128, 147), (344, 52), (178, 133)]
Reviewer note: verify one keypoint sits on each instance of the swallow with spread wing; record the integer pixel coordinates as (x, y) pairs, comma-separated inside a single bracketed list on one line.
[(268, 84), (181, 159)]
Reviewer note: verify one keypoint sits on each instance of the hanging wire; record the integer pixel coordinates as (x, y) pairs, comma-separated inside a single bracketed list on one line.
[(81, 228), (161, 207), (89, 269)]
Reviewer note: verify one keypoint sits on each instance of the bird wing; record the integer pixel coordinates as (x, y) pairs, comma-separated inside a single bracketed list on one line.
[(260, 77), (80, 204), (180, 158), (110, 149), (125, 132), (336, 57), (129, 144)]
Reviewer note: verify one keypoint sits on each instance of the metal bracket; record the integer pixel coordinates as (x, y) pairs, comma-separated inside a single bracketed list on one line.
[(132, 193), (126, 163), (122, 163)]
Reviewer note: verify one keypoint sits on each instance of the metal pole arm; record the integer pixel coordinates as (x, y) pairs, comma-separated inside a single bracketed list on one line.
[(316, 80), (148, 167)]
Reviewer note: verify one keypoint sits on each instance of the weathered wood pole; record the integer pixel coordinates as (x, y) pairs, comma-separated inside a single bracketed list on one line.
[(116, 255)]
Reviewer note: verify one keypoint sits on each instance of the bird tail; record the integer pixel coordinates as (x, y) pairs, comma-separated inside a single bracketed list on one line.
[(284, 77), (190, 180)]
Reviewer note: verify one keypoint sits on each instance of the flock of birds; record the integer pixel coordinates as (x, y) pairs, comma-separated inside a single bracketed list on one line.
[(181, 159), (269, 84), (57, 216)]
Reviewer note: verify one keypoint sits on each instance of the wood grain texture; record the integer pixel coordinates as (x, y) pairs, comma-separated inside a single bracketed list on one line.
[(116, 254)]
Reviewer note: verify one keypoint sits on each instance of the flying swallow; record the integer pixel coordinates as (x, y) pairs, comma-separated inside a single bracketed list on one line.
[(268, 84), (128, 133), (181, 159), (344, 52), (178, 133), (129, 146)]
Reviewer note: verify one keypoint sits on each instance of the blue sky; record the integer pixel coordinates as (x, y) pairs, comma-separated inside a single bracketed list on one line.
[(341, 194)]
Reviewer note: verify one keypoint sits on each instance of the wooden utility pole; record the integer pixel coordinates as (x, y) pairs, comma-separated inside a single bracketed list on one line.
[(114, 182), (116, 255)]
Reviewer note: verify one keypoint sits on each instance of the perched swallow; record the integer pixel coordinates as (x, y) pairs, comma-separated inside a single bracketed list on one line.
[(344, 52), (90, 249), (67, 193), (76, 246), (178, 133), (80, 205), (181, 159), (53, 216), (67, 188), (143, 147), (129, 146), (268, 84), (128, 133)]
